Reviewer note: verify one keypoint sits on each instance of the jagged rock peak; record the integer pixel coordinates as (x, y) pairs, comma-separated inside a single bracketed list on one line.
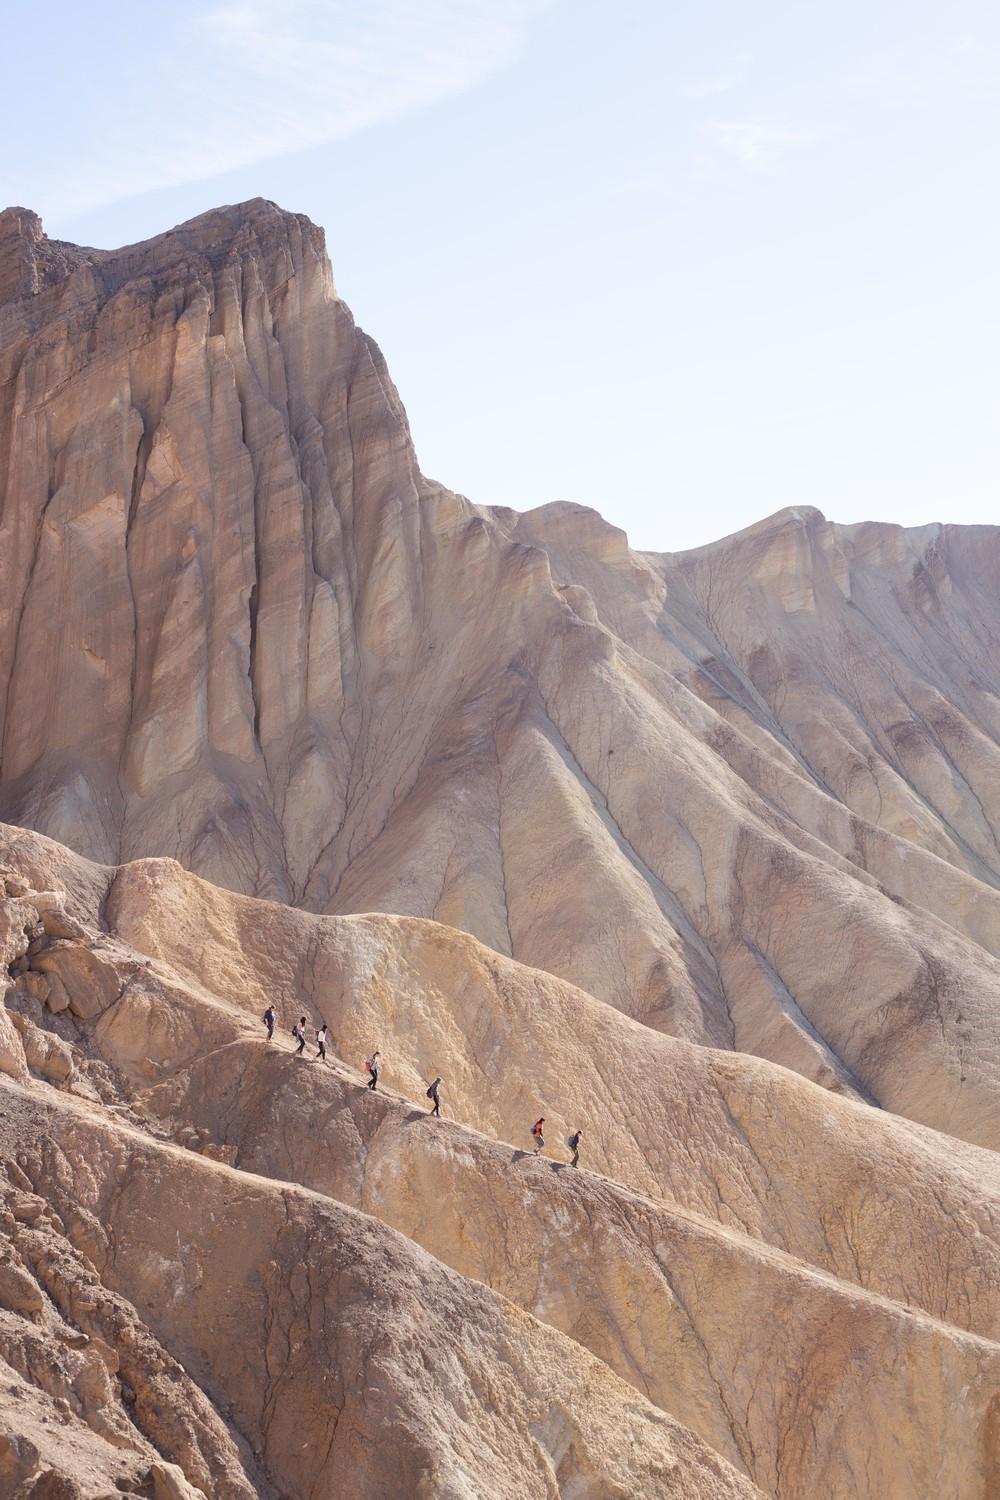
[(30, 262)]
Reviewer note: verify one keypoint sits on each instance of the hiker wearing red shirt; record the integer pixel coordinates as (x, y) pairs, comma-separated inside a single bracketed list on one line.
[(536, 1131)]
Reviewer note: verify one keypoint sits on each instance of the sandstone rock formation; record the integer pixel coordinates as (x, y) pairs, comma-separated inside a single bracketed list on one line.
[(786, 1274), (279, 654), (317, 1352), (700, 852)]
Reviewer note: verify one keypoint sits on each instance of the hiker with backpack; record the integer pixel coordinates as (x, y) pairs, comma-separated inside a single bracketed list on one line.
[(372, 1066), (536, 1131), (321, 1036), (432, 1093), (299, 1033), (573, 1142), (269, 1019)]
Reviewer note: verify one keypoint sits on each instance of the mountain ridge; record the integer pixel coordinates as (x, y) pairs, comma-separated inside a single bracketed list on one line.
[(308, 672), (698, 852)]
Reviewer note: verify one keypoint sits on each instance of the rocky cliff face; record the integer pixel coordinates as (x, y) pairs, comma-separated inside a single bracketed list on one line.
[(725, 809)]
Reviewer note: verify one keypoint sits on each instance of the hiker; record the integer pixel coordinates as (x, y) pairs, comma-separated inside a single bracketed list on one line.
[(536, 1131), (432, 1093), (299, 1032), (321, 1036), (573, 1142), (372, 1066), (269, 1020)]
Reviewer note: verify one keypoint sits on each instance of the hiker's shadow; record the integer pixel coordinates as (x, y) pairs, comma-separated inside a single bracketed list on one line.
[(417, 1114), (520, 1155)]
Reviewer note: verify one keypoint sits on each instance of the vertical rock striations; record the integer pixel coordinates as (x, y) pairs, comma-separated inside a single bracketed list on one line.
[(744, 794)]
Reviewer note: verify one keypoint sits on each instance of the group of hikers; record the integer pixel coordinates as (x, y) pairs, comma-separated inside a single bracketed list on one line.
[(572, 1141), (321, 1035)]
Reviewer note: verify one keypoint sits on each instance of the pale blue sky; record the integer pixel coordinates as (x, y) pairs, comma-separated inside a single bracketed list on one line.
[(686, 263)]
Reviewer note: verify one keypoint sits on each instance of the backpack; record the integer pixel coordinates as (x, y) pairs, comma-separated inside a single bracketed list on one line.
[(295, 1031), (572, 1142), (430, 1092), (369, 1065), (536, 1130)]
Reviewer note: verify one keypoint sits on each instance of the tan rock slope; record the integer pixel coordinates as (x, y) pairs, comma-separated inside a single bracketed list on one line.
[(276, 652), (788, 1275), (335, 1358), (356, 1364)]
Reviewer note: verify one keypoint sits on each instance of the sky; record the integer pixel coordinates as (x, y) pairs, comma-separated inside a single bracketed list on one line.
[(686, 263)]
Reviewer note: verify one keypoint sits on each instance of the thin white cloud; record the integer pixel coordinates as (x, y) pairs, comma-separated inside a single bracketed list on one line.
[(251, 80), (761, 148)]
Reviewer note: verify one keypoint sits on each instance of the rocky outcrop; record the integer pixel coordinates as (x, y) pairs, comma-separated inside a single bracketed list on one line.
[(29, 262), (200, 480), (92, 1403)]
